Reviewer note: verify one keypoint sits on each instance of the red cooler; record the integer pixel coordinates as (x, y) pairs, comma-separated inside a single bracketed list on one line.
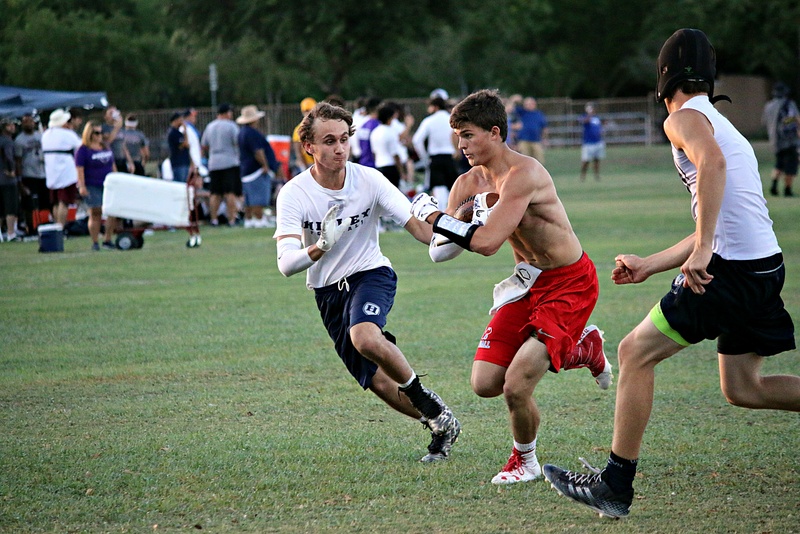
[(282, 146)]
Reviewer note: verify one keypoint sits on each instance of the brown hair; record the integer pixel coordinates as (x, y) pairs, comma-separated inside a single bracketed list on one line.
[(323, 112), (483, 109)]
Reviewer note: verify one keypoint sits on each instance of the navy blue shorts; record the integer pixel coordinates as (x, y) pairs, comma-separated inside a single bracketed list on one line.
[(366, 297), (742, 308)]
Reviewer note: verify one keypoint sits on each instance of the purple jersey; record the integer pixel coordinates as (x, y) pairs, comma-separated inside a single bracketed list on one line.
[(96, 164), (362, 134)]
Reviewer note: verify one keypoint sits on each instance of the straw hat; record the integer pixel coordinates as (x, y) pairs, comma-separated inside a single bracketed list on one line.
[(59, 118), (249, 114)]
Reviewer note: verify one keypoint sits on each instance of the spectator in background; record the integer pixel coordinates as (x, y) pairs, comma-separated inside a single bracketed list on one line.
[(594, 148), (137, 146), (335, 100), (220, 144), (258, 165), (531, 128), (193, 135), (30, 166), (435, 144), (402, 124), (385, 143), (513, 121), (781, 119), (9, 180), (439, 93), (178, 143), (77, 120), (94, 160), (301, 158), (112, 139), (59, 143), (360, 116), (362, 135)]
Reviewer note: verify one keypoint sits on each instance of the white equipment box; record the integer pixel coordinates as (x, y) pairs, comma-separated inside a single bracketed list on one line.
[(140, 198)]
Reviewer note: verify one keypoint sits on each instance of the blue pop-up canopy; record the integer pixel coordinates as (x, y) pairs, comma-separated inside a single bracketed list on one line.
[(16, 101)]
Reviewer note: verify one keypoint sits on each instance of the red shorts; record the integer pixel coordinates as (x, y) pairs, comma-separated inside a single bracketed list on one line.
[(67, 195), (555, 311)]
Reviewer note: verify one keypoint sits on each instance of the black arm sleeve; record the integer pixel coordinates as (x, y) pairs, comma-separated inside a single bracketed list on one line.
[(459, 232)]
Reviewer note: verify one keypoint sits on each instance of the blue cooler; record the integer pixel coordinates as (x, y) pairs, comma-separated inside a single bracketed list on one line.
[(51, 238)]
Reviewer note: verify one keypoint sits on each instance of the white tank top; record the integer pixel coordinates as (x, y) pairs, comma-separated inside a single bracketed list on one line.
[(744, 229), (366, 196)]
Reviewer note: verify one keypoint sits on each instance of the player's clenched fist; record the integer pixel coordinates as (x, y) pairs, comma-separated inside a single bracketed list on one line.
[(628, 269)]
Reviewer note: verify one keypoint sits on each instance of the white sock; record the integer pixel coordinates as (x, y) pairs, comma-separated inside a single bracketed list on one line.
[(526, 448), (413, 376)]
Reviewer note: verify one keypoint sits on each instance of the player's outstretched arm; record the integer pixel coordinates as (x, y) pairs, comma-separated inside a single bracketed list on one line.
[(443, 249), (293, 258), (421, 231), (631, 269)]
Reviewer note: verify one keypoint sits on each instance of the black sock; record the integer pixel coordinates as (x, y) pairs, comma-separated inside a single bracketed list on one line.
[(422, 400), (619, 473)]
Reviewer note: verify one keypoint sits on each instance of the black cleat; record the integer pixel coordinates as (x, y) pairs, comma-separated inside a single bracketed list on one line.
[(589, 490), (439, 449)]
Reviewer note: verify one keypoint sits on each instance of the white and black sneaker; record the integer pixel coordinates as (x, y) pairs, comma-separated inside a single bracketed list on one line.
[(589, 490), (439, 448), (442, 423)]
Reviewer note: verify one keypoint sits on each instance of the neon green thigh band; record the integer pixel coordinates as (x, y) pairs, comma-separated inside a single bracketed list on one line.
[(657, 316)]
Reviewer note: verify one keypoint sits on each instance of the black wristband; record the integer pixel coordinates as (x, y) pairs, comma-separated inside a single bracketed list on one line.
[(459, 232)]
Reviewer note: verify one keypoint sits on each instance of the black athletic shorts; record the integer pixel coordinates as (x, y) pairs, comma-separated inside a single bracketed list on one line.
[(9, 200), (742, 308), (443, 171), (363, 297), (392, 174), (787, 160), (38, 187), (224, 181)]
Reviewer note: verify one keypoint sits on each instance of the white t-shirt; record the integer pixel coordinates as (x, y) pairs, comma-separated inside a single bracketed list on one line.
[(436, 129), (194, 147), (400, 127), (360, 116), (385, 144), (366, 196), (744, 229), (59, 166)]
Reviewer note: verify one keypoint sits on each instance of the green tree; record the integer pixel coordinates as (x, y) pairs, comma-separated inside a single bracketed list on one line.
[(328, 41), (148, 53), (86, 51)]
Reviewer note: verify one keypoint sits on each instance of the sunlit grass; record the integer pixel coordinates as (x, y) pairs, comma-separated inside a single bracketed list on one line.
[(170, 388)]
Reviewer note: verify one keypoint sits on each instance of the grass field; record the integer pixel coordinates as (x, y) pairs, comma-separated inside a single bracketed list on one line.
[(169, 389)]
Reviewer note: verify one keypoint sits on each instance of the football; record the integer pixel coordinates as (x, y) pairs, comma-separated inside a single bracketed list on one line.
[(464, 210)]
